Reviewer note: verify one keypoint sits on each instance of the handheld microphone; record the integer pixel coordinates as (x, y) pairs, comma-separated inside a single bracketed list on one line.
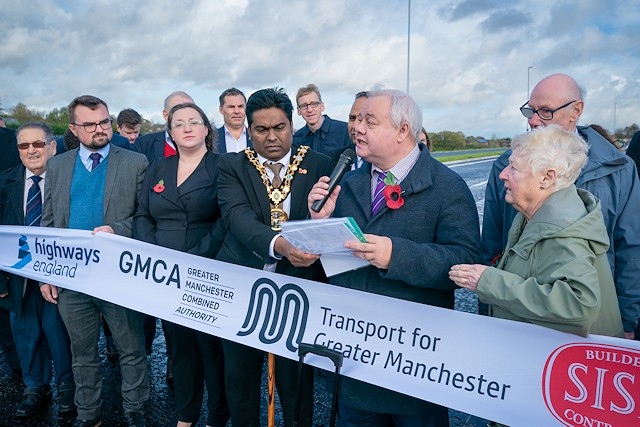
[(343, 166)]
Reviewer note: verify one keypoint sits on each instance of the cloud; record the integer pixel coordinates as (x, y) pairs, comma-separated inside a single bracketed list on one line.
[(468, 59), (504, 20)]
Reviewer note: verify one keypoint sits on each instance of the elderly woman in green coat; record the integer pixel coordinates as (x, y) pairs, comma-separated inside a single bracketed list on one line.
[(554, 271)]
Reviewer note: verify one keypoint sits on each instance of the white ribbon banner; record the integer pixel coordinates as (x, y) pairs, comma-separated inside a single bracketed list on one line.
[(514, 373)]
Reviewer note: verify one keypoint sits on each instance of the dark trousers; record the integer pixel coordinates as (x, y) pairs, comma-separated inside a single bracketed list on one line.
[(149, 328), (349, 416), (243, 377), (40, 337), (81, 315), (197, 360), (6, 341)]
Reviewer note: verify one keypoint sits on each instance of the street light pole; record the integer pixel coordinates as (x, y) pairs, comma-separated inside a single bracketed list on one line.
[(528, 80), (408, 43), (615, 106)]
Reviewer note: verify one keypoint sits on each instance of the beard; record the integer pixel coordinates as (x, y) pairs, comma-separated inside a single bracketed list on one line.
[(98, 140)]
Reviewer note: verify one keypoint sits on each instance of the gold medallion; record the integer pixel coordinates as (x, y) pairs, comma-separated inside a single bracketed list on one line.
[(277, 195), (278, 216)]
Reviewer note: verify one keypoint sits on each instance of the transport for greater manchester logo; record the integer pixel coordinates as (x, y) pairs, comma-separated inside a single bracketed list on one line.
[(275, 312)]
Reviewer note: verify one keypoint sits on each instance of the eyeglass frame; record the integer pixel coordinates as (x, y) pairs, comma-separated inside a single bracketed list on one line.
[(306, 105), (181, 124), (534, 111), (107, 122), (35, 144)]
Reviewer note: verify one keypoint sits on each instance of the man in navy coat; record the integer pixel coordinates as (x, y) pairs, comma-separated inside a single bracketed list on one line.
[(40, 334), (406, 262), (321, 132), (158, 144), (232, 135)]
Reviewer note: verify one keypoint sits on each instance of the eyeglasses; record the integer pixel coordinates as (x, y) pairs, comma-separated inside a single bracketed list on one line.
[(543, 113), (179, 124), (313, 105), (91, 127), (36, 144)]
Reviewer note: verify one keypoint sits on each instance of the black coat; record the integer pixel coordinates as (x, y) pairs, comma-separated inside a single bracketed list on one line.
[(185, 218), (12, 213), (246, 211)]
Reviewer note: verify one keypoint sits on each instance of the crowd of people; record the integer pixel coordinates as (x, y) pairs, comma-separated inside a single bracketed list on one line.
[(560, 242)]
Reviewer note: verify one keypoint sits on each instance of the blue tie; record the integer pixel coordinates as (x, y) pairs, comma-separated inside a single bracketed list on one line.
[(33, 212), (95, 159)]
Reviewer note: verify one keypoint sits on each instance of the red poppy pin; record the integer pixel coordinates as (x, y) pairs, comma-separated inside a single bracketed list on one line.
[(159, 187), (392, 192), (496, 259), (302, 171)]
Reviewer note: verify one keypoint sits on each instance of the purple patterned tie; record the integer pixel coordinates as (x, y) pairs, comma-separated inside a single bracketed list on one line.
[(378, 196), (95, 158)]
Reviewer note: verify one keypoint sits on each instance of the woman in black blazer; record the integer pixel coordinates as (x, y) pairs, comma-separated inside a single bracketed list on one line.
[(178, 209)]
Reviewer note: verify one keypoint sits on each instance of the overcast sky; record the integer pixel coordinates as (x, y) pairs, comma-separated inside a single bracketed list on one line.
[(468, 58)]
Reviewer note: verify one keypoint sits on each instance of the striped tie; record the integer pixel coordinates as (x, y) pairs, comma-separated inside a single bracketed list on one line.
[(378, 196), (34, 203)]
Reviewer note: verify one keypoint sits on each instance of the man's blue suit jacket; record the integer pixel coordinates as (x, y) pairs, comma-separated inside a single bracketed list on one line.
[(221, 146), (151, 145)]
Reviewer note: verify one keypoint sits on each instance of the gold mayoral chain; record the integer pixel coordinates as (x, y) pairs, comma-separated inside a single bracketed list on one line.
[(277, 195)]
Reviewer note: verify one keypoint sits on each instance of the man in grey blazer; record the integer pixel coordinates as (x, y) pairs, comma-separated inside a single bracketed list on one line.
[(76, 182), (416, 229)]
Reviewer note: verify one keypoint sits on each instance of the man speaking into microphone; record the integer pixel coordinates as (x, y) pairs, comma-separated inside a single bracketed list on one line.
[(419, 219)]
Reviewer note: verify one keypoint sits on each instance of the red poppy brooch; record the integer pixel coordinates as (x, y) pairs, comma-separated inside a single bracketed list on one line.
[(159, 187), (392, 192)]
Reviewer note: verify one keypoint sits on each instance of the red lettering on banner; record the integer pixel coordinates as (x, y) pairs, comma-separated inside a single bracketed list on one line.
[(593, 384)]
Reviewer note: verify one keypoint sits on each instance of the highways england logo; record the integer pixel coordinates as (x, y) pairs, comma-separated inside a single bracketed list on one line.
[(50, 258), (275, 312), (24, 253)]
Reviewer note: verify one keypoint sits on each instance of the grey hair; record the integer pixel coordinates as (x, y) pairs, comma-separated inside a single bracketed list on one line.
[(403, 110), (179, 93), (552, 147), (48, 133)]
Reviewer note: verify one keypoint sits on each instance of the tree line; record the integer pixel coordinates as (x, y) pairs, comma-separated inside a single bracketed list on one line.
[(446, 140), (57, 119)]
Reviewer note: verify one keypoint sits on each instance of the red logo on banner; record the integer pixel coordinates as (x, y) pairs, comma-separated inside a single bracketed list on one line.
[(593, 385)]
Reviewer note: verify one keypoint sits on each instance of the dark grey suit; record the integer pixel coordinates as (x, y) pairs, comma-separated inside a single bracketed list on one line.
[(81, 312)]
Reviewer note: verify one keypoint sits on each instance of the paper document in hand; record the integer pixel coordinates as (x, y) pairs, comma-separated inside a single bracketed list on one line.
[(322, 236), (327, 238)]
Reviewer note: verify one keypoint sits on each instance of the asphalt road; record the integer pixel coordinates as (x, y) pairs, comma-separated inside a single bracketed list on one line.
[(160, 408)]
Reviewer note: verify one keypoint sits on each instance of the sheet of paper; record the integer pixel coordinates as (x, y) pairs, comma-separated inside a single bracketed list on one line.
[(327, 238), (339, 263), (322, 236)]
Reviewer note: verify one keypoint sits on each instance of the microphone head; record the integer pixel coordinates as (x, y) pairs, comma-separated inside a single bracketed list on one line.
[(348, 156)]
